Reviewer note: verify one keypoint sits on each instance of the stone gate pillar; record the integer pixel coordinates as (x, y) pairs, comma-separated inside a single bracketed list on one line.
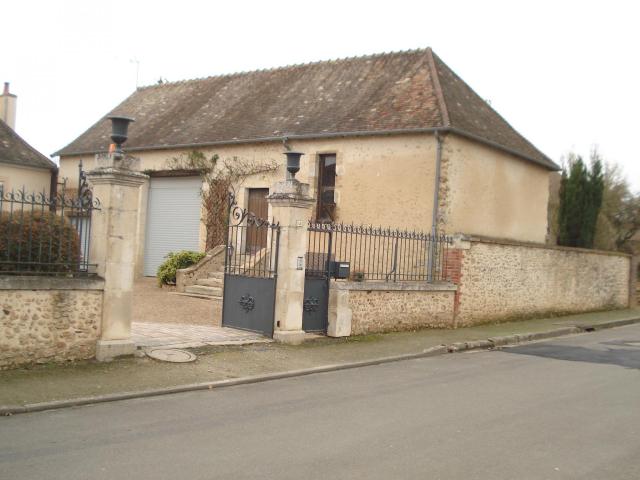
[(113, 248), (291, 207)]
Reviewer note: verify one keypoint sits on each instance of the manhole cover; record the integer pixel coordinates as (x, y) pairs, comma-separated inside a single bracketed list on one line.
[(171, 355)]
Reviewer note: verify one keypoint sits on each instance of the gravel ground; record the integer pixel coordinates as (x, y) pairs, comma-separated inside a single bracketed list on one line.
[(158, 305)]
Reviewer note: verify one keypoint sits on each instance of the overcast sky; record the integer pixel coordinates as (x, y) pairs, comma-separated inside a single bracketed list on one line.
[(564, 74)]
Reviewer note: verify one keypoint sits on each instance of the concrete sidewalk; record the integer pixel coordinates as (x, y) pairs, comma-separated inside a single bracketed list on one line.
[(231, 364)]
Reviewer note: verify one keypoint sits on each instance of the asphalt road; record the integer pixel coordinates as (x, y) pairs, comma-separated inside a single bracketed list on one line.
[(564, 409)]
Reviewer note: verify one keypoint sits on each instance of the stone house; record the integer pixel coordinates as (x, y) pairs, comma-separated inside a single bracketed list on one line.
[(395, 139), (21, 165)]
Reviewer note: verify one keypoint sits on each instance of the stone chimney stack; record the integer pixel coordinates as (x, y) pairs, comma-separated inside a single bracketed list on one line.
[(8, 106)]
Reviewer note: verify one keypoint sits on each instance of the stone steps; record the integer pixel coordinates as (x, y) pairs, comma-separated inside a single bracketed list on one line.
[(197, 295), (210, 282), (208, 287), (204, 290)]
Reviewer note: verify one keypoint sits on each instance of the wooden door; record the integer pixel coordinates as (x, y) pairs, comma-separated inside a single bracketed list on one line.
[(257, 237)]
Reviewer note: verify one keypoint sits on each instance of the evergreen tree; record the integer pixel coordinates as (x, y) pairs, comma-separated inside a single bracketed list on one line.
[(595, 187), (581, 192)]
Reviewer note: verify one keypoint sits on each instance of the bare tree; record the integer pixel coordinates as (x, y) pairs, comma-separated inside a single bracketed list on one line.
[(619, 218)]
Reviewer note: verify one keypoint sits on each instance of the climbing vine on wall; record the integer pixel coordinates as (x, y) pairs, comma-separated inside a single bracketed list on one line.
[(219, 177)]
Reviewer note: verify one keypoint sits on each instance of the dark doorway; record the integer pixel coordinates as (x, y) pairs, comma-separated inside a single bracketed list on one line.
[(326, 206), (258, 206)]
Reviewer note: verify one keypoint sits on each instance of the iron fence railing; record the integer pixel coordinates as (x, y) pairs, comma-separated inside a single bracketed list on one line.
[(252, 250), (46, 235), (376, 253), (252, 243)]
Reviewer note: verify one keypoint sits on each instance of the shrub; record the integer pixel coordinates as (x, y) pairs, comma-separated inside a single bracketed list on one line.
[(175, 261), (38, 242)]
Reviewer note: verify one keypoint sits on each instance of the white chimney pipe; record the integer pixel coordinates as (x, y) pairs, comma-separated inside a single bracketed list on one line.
[(8, 107)]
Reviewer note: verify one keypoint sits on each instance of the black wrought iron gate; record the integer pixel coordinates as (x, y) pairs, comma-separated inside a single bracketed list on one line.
[(315, 306), (250, 271)]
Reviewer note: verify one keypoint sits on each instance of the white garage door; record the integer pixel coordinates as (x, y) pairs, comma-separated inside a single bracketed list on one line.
[(173, 219)]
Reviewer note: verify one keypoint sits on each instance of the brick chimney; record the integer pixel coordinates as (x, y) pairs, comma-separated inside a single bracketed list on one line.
[(8, 106)]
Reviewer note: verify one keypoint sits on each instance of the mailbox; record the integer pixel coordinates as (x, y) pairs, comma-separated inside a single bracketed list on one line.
[(340, 270)]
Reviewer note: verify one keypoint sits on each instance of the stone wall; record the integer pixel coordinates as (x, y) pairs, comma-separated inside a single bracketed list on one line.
[(45, 319), (504, 280), (212, 262), (376, 307), (490, 192)]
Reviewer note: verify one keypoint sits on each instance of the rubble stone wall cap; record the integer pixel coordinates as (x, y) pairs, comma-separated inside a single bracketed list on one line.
[(395, 286), (518, 243), (37, 282)]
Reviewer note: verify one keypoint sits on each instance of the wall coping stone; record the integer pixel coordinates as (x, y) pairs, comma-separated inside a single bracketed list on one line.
[(41, 282), (395, 286), (518, 243)]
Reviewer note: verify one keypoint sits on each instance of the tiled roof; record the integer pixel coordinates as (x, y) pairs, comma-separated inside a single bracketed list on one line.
[(385, 93), (14, 150)]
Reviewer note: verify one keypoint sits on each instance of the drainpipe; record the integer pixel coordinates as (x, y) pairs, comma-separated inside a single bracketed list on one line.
[(436, 199), (53, 185)]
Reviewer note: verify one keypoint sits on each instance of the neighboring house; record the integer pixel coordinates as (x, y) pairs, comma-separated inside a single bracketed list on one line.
[(385, 138), (21, 165)]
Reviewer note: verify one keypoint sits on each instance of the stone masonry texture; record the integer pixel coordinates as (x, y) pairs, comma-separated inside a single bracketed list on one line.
[(39, 326), (503, 281), (376, 311)]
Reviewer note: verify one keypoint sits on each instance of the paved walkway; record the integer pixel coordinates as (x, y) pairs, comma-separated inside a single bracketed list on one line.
[(175, 335)]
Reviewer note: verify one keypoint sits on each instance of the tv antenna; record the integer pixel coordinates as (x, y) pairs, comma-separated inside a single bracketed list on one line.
[(137, 62)]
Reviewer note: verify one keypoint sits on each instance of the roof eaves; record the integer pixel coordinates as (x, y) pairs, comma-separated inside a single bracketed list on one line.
[(50, 164), (310, 136), (546, 162), (60, 151)]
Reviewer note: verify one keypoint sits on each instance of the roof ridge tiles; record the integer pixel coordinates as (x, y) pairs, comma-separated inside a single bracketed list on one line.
[(282, 67)]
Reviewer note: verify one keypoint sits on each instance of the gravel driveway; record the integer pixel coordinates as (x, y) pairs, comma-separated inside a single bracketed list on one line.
[(159, 305)]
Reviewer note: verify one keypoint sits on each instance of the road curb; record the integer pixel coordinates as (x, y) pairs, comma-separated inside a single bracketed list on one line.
[(490, 343), (611, 324)]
